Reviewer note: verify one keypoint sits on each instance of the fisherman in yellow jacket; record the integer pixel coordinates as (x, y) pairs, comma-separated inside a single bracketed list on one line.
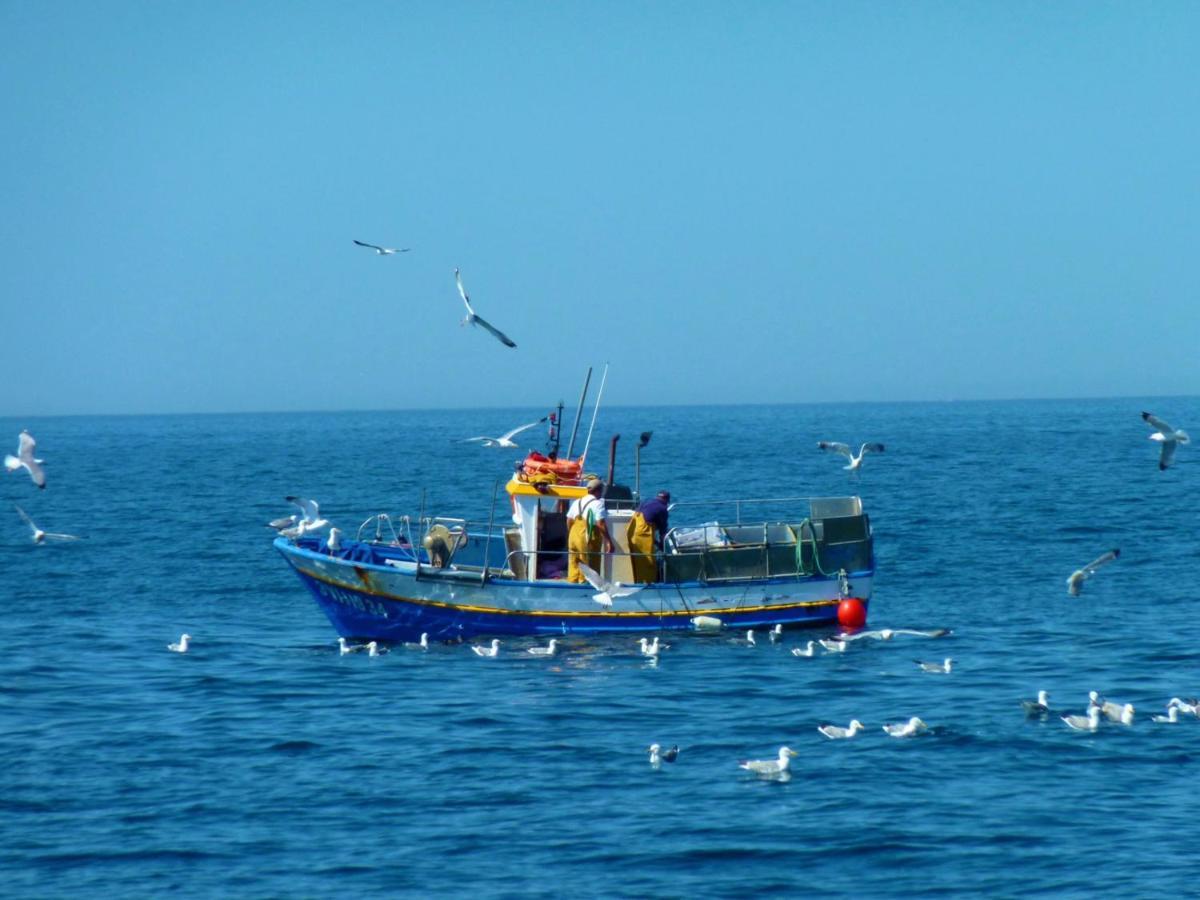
[(587, 523), (646, 531)]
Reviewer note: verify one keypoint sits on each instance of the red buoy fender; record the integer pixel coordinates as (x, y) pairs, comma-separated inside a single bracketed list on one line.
[(852, 613)]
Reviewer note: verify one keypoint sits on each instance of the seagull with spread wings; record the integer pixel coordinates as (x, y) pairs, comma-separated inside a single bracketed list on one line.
[(607, 591), (506, 439), (40, 536), (382, 251), (1167, 436), (1079, 576), (25, 459), (844, 450), (474, 319)]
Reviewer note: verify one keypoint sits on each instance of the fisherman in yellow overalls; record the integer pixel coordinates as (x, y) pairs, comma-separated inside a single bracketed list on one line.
[(587, 521), (646, 531)]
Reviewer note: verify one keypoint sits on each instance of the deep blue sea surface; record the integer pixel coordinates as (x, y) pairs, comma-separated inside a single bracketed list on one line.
[(264, 764)]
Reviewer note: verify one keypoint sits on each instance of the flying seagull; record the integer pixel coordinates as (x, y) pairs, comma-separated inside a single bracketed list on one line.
[(25, 459), (1079, 576), (855, 461), (382, 251), (479, 320), (506, 439), (1169, 437), (40, 536), (607, 592)]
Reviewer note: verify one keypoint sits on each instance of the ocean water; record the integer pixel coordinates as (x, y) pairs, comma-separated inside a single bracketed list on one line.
[(264, 764)]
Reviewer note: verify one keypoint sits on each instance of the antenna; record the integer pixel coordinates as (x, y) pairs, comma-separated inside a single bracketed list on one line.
[(579, 412), (595, 410)]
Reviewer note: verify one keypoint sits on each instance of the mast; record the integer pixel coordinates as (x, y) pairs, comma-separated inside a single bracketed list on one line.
[(579, 412)]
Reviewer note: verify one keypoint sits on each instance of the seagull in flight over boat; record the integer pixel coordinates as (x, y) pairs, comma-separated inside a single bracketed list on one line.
[(607, 592), (1038, 707), (658, 755), (382, 251), (474, 319), (1090, 722), (905, 729), (886, 634), (943, 667), (549, 650), (491, 651), (506, 439), (40, 536), (1079, 576), (309, 519), (844, 450), (182, 646), (808, 650), (25, 459), (1169, 437), (770, 767), (837, 732)]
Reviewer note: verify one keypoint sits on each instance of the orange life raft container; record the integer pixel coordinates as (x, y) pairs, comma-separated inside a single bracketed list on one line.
[(566, 470)]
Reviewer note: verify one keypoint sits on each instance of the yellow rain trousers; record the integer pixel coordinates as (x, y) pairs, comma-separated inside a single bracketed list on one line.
[(641, 549), (582, 548)]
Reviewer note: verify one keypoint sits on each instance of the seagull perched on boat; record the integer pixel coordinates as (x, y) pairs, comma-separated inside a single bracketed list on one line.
[(474, 319), (1079, 576), (40, 536), (308, 520), (549, 650), (506, 439), (182, 646), (491, 651), (651, 649), (658, 755), (25, 459), (837, 732), (1038, 707), (1090, 722), (382, 251), (607, 591), (844, 450), (770, 767), (905, 729), (943, 667), (808, 650), (1166, 435)]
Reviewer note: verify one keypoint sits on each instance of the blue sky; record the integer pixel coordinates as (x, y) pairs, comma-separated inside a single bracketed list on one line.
[(738, 202)]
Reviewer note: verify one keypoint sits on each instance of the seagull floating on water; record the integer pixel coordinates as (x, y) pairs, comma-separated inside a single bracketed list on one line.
[(25, 459), (182, 646), (1079, 576), (1090, 722), (1166, 435), (836, 732), (422, 644), (844, 450), (344, 648), (833, 646), (381, 251), (1117, 712), (1191, 706), (373, 649), (776, 634), (652, 648), (506, 439), (658, 755), (1171, 717), (549, 650), (474, 319), (943, 667), (494, 650), (905, 729), (809, 649), (750, 637), (607, 591), (1038, 707), (770, 766), (40, 536)]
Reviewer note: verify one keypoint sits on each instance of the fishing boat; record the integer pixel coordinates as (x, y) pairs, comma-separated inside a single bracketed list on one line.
[(452, 579)]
